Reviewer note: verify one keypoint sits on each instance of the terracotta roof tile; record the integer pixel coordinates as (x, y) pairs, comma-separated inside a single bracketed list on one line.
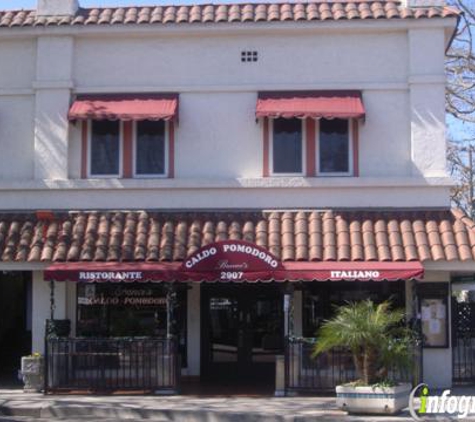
[(153, 244), (248, 232), (261, 233), (87, 249), (316, 237), (290, 235), (166, 244), (208, 233), (140, 250), (50, 241), (181, 241), (216, 13), (301, 237)]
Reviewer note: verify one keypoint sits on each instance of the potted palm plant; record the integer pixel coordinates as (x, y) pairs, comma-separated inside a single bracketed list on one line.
[(381, 347)]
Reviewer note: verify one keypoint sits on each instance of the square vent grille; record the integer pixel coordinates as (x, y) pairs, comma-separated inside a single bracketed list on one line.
[(249, 56)]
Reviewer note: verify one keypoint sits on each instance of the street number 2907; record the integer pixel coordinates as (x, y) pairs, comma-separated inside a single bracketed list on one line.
[(231, 275)]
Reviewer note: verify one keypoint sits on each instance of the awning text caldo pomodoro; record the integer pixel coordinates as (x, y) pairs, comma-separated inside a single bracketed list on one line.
[(233, 261)]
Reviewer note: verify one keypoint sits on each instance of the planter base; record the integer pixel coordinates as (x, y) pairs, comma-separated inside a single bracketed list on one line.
[(32, 371), (373, 400)]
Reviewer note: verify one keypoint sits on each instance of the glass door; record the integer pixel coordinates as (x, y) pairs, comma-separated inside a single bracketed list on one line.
[(242, 332)]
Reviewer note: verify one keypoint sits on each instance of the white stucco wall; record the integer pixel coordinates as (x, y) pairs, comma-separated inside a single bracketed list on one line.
[(18, 59), (427, 101), (216, 60), (384, 141), (16, 136), (398, 67), (291, 193)]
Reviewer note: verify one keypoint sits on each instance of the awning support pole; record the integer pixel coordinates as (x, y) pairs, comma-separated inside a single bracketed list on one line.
[(289, 310), (417, 327), (52, 299), (171, 306)]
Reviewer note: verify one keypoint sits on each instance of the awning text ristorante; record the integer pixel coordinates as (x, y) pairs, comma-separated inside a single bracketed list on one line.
[(110, 275)]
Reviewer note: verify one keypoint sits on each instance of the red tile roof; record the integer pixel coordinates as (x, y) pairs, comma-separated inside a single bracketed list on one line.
[(292, 236), (231, 13)]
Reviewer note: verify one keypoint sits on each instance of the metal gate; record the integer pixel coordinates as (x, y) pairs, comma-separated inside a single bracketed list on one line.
[(463, 341), (112, 364)]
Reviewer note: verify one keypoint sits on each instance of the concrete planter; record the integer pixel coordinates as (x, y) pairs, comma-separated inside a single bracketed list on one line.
[(32, 371), (373, 400)]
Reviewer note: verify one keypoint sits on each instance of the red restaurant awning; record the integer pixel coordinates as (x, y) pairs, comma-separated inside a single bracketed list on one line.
[(288, 271), (124, 108), (316, 105)]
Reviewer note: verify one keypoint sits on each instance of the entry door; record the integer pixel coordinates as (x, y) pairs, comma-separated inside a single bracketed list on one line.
[(242, 332)]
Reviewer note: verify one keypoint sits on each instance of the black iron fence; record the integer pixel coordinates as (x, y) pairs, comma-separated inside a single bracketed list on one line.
[(463, 357), (463, 342), (112, 364), (307, 374)]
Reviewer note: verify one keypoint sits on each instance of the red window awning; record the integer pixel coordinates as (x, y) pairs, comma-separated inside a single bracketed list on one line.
[(316, 105), (125, 108), (233, 261)]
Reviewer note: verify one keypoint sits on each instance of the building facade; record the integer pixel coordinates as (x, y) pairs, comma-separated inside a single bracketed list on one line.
[(293, 155)]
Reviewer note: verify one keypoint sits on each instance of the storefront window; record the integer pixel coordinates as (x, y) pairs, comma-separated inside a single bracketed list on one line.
[(129, 310), (321, 299)]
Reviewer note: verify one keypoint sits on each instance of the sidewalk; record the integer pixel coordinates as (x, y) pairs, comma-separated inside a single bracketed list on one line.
[(180, 408)]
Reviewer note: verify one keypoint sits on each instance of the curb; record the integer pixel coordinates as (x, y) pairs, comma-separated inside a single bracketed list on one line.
[(165, 415)]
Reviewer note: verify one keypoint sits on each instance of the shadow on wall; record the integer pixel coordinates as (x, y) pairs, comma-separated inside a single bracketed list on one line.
[(428, 144), (51, 149)]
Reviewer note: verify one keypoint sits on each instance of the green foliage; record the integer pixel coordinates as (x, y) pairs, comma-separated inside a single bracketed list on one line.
[(375, 336)]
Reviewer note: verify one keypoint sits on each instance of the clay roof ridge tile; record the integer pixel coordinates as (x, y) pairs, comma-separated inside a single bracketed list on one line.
[(180, 241), (247, 12), (50, 241), (182, 15), (260, 13), (338, 11), (196, 14), (90, 237), (26, 235), (464, 218), (144, 15)]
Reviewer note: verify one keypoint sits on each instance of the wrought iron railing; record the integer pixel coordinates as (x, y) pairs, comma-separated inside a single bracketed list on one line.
[(463, 357), (112, 364), (463, 342), (307, 374)]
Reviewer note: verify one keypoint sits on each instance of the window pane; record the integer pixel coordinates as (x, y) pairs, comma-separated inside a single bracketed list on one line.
[(105, 148), (334, 146), (287, 146), (150, 153)]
